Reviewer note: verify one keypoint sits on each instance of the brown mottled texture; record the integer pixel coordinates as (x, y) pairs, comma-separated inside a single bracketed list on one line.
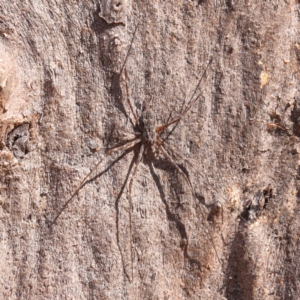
[(63, 102)]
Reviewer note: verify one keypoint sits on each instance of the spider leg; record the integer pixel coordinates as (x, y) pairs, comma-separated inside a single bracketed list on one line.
[(118, 217), (162, 127), (127, 54), (118, 148), (159, 129), (124, 146), (126, 77), (165, 152), (128, 101), (123, 130), (140, 155), (191, 101), (176, 153), (188, 105)]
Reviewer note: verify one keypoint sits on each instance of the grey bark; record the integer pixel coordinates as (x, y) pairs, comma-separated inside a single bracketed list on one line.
[(63, 102)]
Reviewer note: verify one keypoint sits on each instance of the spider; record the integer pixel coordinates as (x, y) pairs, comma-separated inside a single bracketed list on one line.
[(147, 140)]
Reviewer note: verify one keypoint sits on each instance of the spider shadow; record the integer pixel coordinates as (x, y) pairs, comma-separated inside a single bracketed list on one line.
[(193, 263), (118, 198), (164, 165), (102, 30)]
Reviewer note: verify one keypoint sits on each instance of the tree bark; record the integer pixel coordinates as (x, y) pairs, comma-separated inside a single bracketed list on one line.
[(210, 214)]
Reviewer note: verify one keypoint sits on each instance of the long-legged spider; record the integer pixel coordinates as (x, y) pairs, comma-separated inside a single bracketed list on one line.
[(147, 140)]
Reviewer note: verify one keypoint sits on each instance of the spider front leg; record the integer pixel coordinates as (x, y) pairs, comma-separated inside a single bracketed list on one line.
[(128, 101), (160, 129), (136, 123), (184, 108)]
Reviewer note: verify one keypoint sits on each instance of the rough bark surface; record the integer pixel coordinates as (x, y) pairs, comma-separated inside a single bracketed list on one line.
[(63, 102)]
